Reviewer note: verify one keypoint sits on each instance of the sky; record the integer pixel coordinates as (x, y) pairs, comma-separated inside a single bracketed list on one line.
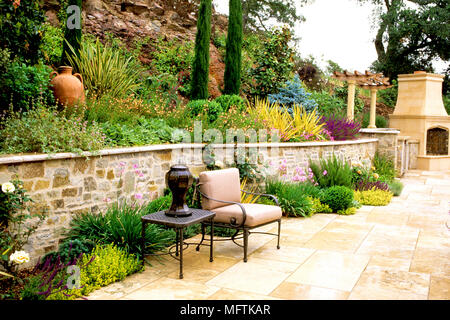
[(338, 30)]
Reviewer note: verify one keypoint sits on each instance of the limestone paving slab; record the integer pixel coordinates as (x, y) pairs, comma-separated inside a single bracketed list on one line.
[(396, 252)]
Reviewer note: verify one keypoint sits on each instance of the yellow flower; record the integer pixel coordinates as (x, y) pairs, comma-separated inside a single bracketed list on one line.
[(373, 168), (376, 176), (359, 172)]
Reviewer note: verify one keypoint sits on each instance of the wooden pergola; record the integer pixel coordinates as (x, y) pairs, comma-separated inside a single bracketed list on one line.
[(367, 80)]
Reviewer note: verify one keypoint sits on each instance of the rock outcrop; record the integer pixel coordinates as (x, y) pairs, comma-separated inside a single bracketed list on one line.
[(137, 19)]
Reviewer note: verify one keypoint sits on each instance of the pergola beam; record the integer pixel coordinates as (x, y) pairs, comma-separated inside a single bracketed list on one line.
[(366, 80)]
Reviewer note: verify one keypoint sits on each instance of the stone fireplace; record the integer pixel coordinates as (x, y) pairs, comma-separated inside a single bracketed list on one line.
[(420, 115)]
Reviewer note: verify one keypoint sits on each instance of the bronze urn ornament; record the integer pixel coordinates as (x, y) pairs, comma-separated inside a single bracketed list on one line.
[(179, 179), (68, 88)]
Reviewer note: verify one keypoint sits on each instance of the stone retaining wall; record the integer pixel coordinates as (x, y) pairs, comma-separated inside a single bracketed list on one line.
[(65, 184)]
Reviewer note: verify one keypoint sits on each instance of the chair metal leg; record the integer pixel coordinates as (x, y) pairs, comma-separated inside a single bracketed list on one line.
[(246, 233), (279, 232)]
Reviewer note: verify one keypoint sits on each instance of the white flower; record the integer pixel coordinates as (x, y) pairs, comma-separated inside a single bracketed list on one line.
[(8, 187), (219, 164), (19, 257)]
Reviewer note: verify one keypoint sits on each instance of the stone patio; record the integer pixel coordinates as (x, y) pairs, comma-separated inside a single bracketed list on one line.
[(401, 251)]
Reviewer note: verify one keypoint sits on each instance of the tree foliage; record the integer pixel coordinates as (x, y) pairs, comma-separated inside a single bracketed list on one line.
[(411, 34), (256, 13), (72, 36), (200, 67), (233, 58)]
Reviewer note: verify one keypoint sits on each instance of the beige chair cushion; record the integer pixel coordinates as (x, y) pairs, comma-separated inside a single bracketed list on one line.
[(221, 185), (257, 214)]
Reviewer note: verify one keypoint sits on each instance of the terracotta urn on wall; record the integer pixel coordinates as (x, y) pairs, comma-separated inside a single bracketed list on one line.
[(67, 88)]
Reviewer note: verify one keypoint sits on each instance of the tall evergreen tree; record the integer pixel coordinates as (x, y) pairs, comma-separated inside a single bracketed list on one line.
[(233, 58), (72, 30), (200, 67)]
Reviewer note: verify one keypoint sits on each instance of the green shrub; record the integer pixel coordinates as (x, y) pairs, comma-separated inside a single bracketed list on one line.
[(69, 250), (384, 167), (373, 197), (319, 207), (111, 264), (380, 121), (396, 187), (389, 96), (172, 57), (227, 101), (446, 100), (273, 64), (22, 85), (52, 43), (142, 132), (121, 225), (159, 204), (106, 70), (292, 200), (21, 26), (329, 104), (44, 130), (347, 212), (332, 172), (211, 109), (337, 198)]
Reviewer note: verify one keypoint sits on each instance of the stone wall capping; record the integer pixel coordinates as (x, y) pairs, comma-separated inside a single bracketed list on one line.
[(380, 130), (13, 159)]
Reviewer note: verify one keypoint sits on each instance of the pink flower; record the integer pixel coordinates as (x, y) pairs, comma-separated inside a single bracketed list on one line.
[(135, 166), (122, 164), (107, 200), (324, 172), (138, 196)]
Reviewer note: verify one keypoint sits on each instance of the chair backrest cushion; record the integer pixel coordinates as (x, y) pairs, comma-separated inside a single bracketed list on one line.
[(221, 185)]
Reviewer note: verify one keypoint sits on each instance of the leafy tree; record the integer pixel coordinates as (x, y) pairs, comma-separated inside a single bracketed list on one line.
[(200, 67), (256, 13), (233, 58), (21, 27), (411, 34), (273, 63), (72, 33)]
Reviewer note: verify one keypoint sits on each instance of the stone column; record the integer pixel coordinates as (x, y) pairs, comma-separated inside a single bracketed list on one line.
[(351, 99), (373, 108)]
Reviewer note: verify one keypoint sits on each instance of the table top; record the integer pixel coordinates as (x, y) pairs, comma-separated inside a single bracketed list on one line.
[(198, 215)]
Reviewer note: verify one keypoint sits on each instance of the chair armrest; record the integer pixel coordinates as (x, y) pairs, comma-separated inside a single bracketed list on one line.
[(263, 195), (244, 214)]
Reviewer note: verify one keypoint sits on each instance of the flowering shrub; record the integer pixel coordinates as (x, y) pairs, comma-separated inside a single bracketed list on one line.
[(341, 128), (45, 130), (332, 172), (15, 230), (374, 197)]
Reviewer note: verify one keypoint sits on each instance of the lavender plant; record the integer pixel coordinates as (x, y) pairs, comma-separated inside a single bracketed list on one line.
[(341, 128)]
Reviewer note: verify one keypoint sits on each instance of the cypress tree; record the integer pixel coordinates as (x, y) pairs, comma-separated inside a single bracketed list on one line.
[(72, 31), (200, 67), (233, 58)]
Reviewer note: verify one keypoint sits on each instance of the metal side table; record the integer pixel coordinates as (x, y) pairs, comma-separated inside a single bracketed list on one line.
[(178, 223)]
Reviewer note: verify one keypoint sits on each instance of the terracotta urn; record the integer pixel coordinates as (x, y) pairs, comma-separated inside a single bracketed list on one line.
[(67, 88), (179, 179)]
